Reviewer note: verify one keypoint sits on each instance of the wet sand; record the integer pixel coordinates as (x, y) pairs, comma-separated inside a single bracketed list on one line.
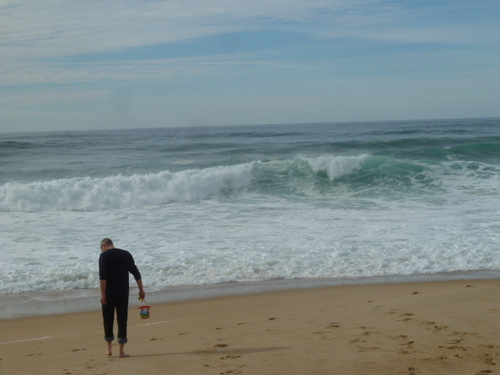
[(449, 327)]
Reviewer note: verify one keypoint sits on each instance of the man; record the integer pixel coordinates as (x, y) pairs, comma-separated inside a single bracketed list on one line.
[(114, 267)]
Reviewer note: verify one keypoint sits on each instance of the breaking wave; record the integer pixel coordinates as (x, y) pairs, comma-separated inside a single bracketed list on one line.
[(302, 176)]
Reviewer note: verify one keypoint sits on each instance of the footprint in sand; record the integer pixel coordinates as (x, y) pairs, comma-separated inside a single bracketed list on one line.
[(440, 328), (488, 346), (406, 317), (408, 343), (231, 357), (456, 347), (488, 359)]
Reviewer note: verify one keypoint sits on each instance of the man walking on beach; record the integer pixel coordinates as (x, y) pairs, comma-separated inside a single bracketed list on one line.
[(114, 267)]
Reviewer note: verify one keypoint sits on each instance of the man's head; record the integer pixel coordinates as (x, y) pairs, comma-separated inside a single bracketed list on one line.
[(106, 244)]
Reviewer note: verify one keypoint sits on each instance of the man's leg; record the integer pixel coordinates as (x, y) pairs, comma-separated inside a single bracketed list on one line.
[(108, 315), (121, 318)]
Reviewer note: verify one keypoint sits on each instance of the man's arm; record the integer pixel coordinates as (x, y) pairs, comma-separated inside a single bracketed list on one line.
[(142, 295), (137, 276), (103, 291), (103, 276)]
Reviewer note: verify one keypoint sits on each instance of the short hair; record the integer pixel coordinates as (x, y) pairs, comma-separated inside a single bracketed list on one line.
[(106, 242)]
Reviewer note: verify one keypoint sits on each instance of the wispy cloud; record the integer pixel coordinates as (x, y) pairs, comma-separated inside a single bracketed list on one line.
[(64, 51), (148, 70), (34, 98), (34, 36), (55, 28), (52, 28)]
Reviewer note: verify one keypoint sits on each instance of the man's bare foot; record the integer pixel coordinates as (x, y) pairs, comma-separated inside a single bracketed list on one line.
[(109, 352), (122, 353)]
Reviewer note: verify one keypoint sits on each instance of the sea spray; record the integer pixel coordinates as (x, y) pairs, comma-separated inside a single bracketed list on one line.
[(337, 166)]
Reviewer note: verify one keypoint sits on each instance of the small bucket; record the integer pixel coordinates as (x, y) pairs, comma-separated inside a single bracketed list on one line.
[(144, 312)]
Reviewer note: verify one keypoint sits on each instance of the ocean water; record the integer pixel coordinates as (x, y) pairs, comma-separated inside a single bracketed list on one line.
[(202, 209)]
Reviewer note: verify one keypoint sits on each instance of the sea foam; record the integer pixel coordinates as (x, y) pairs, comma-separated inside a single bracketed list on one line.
[(90, 194)]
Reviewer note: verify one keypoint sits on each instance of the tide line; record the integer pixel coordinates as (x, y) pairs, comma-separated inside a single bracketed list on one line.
[(35, 338), (51, 337), (152, 324)]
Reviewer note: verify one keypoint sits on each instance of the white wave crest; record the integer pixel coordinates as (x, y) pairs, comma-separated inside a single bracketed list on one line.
[(336, 166), (119, 191)]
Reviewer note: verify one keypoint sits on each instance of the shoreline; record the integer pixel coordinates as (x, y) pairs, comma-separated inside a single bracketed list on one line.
[(31, 304), (433, 327)]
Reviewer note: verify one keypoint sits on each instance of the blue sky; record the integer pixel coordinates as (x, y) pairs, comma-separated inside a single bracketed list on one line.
[(102, 64)]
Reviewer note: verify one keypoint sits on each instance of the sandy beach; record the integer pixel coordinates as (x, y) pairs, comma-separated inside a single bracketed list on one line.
[(415, 328)]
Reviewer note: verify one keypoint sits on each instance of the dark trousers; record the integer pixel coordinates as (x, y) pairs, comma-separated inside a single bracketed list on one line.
[(120, 305)]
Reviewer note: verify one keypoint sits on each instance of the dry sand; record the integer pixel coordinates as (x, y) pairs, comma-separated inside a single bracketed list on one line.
[(419, 328)]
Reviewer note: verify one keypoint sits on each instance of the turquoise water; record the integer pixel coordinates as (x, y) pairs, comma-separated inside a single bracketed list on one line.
[(203, 206)]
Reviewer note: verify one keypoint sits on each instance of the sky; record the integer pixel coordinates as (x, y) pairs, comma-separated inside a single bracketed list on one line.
[(106, 64)]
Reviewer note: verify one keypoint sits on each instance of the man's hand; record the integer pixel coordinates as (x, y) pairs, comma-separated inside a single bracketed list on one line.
[(142, 295), (102, 284)]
